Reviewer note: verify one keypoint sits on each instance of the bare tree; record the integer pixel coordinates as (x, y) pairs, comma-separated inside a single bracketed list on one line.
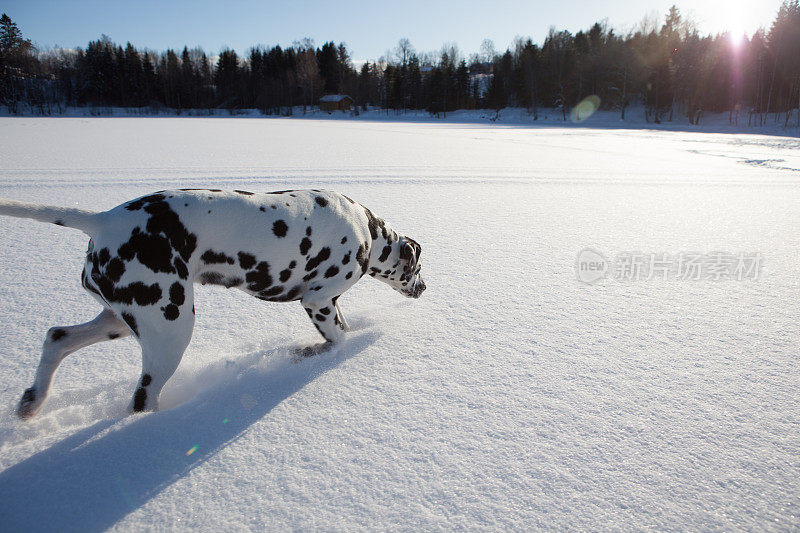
[(307, 70), (403, 52)]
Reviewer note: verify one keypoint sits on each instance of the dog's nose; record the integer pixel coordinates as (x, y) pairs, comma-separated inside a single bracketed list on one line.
[(419, 288)]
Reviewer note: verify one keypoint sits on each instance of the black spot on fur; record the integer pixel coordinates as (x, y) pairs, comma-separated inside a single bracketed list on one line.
[(293, 264), (165, 221), (113, 336), (165, 233), (29, 396), (211, 257), (375, 224), (322, 202), (346, 258), (292, 294), (319, 317), (246, 193), (211, 278), (146, 380), (305, 245), (274, 291), (57, 334), (153, 251), (308, 231), (176, 294), (321, 332), (285, 275), (103, 256), (325, 311), (259, 279), (281, 192), (131, 321), (314, 262), (246, 261), (349, 275), (138, 204), (139, 399), (362, 258), (171, 312), (136, 292), (279, 228), (180, 267), (85, 284), (115, 269), (344, 240), (332, 271), (385, 253), (406, 252), (310, 276), (59, 222), (215, 278), (261, 209)]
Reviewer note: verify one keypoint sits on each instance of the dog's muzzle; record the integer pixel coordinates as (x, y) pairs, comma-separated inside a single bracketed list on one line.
[(417, 290)]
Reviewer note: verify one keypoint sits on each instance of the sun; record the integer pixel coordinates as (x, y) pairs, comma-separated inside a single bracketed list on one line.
[(734, 20), (734, 17)]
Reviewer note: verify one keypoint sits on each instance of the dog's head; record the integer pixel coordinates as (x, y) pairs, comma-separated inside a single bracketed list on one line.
[(404, 276)]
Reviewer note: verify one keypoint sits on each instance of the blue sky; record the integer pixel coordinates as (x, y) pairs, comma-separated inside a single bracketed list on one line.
[(368, 28)]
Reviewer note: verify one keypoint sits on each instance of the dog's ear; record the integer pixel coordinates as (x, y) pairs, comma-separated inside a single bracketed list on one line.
[(406, 251)]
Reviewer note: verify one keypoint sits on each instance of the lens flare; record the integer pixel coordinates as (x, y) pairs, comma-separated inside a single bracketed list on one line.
[(191, 450), (585, 108)]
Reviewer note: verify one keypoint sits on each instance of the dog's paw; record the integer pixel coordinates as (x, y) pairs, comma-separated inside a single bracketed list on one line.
[(28, 406), (309, 351)]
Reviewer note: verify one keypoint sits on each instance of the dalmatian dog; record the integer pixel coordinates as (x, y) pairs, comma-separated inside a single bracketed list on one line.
[(145, 255)]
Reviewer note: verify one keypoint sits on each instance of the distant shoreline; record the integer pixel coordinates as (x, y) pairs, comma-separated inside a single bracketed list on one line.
[(510, 116)]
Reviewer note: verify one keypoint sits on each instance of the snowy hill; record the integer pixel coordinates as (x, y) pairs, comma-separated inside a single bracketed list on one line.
[(510, 396)]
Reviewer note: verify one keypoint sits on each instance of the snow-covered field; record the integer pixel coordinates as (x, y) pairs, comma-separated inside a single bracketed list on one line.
[(510, 396)]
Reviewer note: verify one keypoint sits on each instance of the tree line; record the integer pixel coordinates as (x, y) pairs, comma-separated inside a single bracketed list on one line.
[(666, 67)]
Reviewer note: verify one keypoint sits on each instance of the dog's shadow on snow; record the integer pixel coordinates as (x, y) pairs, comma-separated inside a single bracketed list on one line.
[(94, 478)]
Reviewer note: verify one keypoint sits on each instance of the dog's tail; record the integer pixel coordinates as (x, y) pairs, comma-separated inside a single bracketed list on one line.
[(86, 221)]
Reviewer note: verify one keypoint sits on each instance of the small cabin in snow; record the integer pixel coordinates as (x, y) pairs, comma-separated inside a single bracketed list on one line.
[(335, 102)]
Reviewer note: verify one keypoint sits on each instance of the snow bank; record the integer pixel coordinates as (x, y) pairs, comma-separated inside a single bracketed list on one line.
[(510, 395)]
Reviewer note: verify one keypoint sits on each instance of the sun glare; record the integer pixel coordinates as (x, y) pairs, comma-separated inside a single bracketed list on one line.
[(737, 18), (737, 39), (734, 20)]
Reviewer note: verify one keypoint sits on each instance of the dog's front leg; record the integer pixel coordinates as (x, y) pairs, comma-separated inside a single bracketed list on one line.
[(340, 316), (325, 317)]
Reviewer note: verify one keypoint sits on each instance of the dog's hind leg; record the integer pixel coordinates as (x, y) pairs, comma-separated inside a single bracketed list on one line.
[(60, 342), (163, 342)]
